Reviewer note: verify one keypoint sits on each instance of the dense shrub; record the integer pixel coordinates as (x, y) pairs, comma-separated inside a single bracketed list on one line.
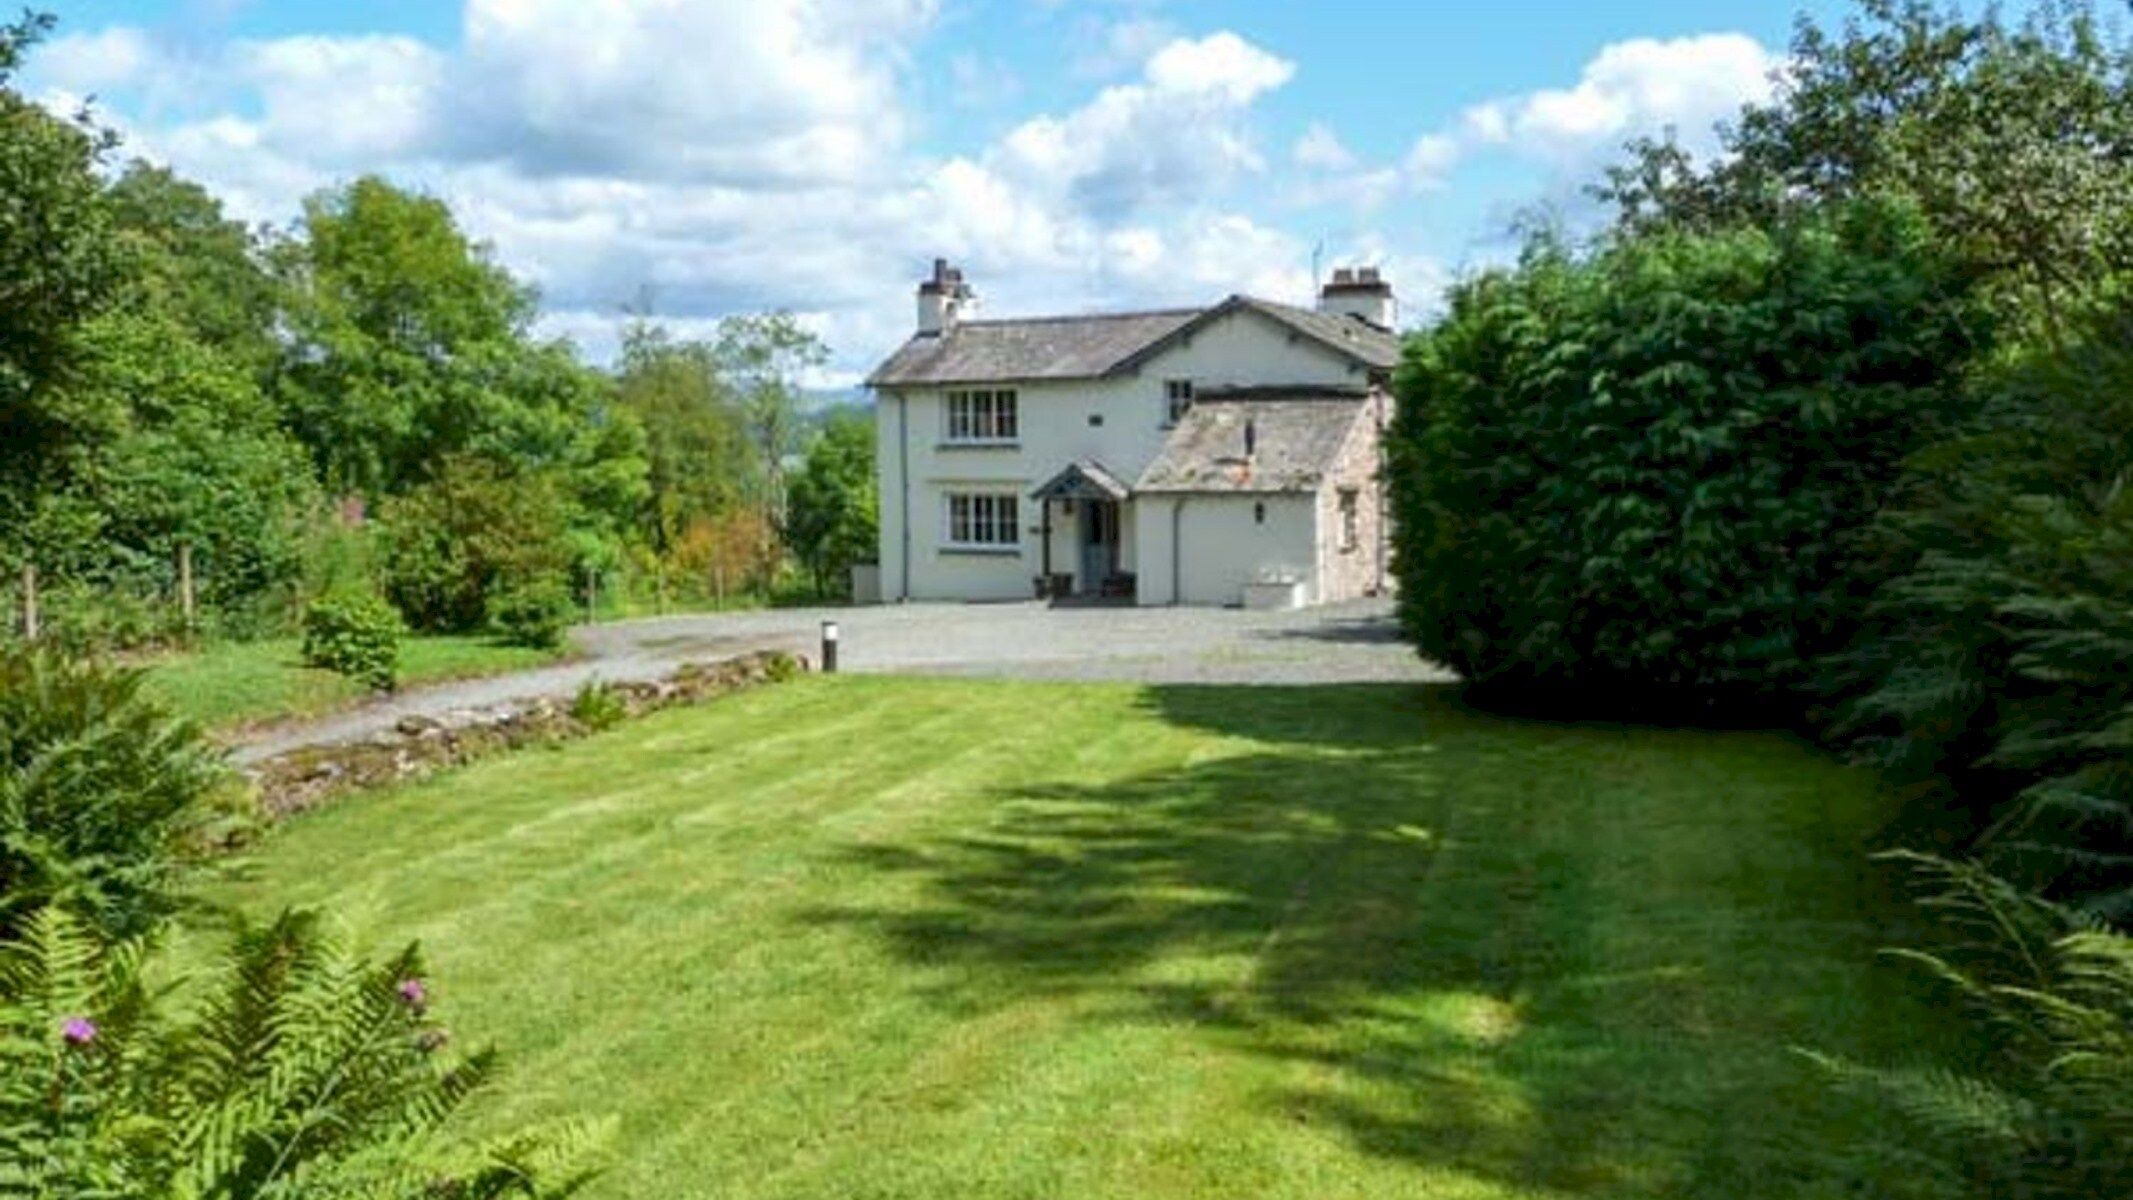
[(535, 612), (2001, 661), (96, 784), (355, 634), (1643, 469), (2046, 1115), (453, 545), (305, 1071)]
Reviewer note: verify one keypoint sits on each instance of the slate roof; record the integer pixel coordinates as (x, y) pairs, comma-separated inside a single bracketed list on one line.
[(1093, 347), (1083, 479), (1043, 348), (1297, 439)]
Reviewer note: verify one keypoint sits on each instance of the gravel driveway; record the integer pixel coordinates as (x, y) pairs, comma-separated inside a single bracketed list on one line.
[(1334, 644)]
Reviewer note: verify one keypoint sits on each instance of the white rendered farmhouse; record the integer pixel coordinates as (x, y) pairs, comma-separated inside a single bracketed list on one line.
[(1215, 456)]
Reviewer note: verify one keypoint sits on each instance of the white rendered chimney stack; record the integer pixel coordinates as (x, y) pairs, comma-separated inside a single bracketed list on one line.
[(944, 299), (1359, 292)]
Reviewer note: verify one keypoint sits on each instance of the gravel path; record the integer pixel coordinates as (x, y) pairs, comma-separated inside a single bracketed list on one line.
[(1334, 644)]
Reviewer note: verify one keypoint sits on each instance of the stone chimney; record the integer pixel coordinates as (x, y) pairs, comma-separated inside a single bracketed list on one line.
[(1359, 292), (944, 299)]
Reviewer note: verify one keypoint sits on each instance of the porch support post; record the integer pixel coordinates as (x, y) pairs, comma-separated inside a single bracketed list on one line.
[(1045, 506)]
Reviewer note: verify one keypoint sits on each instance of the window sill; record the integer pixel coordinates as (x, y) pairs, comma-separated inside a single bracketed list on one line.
[(982, 551), (977, 446)]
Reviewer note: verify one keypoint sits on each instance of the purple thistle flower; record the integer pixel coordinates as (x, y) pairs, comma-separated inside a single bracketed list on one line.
[(413, 994), (78, 1031)]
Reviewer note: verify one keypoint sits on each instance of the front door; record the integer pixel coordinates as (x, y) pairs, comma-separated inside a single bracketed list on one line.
[(1099, 544)]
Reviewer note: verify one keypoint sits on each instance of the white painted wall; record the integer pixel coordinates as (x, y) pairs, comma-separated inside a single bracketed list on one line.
[(1223, 546), (1116, 422)]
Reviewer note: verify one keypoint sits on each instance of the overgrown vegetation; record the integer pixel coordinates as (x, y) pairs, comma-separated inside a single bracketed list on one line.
[(1611, 459)]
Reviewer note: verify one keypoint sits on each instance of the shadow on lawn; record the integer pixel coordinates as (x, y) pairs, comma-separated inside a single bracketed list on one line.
[(1422, 909)]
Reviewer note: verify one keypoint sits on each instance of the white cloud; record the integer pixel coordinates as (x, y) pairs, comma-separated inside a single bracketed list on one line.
[(91, 62), (1180, 135), (1222, 64), (1117, 47), (1642, 86), (345, 101), (730, 155), (1321, 148)]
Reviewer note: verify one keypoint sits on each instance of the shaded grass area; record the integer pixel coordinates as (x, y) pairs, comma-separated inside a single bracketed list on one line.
[(231, 684), (871, 937)]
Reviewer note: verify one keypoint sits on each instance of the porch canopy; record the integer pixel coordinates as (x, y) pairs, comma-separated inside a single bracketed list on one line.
[(1085, 479)]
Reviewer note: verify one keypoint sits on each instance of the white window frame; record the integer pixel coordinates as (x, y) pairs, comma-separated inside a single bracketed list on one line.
[(1351, 513), (1177, 400), (982, 521), (981, 417)]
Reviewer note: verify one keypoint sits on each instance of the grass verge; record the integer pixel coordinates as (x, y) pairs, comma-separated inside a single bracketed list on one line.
[(233, 684)]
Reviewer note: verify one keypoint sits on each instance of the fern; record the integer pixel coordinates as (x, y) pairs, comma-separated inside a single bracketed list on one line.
[(302, 1070), (2053, 1115), (96, 786)]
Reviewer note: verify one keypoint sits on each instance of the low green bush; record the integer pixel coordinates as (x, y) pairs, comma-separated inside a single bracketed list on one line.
[(1641, 473), (355, 634), (304, 1071), (536, 613), (97, 787), (598, 706)]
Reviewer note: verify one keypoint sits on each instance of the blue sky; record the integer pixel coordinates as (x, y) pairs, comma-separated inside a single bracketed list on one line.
[(729, 155)]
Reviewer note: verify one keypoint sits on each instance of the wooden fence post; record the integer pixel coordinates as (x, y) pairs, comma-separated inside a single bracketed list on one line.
[(185, 585), (29, 601)]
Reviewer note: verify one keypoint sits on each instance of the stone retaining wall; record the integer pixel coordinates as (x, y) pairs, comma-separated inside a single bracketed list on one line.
[(421, 746)]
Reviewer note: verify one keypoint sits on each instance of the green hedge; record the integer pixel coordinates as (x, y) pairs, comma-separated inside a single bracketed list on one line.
[(1641, 471)]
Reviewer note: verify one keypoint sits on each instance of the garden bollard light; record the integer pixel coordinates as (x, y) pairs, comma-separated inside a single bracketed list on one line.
[(829, 647)]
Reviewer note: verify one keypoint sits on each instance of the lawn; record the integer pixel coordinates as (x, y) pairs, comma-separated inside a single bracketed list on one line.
[(234, 683), (867, 937)]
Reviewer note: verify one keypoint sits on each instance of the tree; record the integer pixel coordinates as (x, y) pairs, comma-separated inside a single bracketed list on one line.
[(406, 341), (196, 264), (699, 458), (764, 355), (477, 532), (2015, 141), (834, 508), (59, 267)]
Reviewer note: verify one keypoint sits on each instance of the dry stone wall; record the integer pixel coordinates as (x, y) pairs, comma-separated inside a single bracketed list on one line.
[(421, 746)]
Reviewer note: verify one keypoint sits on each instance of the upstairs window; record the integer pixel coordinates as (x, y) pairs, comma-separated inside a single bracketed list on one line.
[(981, 417), (1177, 398), (983, 521)]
